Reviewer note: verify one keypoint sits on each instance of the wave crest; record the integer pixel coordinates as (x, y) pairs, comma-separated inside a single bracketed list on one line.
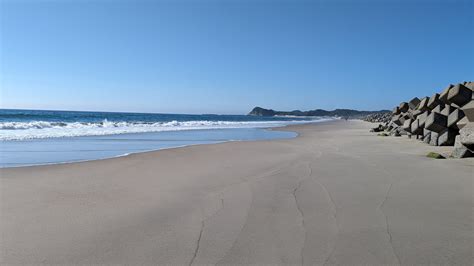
[(45, 129)]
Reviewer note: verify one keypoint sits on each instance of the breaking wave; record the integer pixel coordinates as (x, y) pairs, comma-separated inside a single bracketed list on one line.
[(48, 129)]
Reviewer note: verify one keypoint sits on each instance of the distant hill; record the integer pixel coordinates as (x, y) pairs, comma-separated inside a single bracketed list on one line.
[(259, 111)]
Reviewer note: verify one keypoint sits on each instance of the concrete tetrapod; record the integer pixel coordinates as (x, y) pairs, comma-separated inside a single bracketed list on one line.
[(459, 95), (436, 122)]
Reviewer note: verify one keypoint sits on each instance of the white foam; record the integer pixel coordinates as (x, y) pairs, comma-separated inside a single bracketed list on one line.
[(44, 129)]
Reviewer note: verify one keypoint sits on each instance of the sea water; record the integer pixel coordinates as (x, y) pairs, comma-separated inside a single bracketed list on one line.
[(34, 137)]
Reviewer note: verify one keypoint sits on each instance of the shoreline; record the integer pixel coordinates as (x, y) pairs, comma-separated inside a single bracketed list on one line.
[(335, 194), (445, 150), (283, 129)]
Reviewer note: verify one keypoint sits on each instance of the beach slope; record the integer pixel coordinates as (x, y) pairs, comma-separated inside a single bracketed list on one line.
[(335, 195)]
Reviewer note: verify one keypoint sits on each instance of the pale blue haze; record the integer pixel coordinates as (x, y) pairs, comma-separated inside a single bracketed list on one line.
[(229, 56)]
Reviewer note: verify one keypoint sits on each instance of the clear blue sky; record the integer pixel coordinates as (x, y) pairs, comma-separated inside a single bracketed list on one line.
[(229, 56)]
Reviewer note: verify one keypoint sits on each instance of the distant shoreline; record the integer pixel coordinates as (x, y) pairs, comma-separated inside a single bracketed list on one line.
[(345, 113)]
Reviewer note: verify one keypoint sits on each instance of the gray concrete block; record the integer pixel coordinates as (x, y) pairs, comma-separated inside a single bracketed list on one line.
[(416, 113), (443, 97), (461, 151), (423, 106), (459, 95), (433, 139), (467, 135), (438, 108), (413, 103), (454, 117), (447, 137), (407, 125), (462, 123), (422, 118), (396, 110), (448, 109), (407, 115), (468, 110), (426, 136), (434, 101), (415, 128), (398, 120), (403, 117), (391, 125), (470, 86), (396, 132), (436, 122), (403, 107)]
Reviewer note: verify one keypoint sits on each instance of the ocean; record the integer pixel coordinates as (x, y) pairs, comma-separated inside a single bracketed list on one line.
[(35, 137)]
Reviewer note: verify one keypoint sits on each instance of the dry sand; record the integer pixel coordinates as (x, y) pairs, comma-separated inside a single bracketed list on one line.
[(335, 195)]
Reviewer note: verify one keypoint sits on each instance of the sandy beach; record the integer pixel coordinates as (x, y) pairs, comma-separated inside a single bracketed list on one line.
[(335, 195)]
